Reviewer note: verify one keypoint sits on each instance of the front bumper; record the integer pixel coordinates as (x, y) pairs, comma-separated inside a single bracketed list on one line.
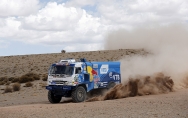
[(63, 90)]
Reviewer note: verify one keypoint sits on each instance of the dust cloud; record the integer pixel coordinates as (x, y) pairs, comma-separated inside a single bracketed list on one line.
[(163, 70), (168, 46), (141, 85)]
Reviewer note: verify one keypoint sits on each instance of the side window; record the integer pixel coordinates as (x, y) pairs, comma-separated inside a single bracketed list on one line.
[(78, 70), (53, 69), (49, 70)]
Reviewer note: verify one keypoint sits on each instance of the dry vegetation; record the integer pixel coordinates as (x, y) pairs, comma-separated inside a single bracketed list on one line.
[(28, 84), (45, 77), (16, 86), (29, 77)]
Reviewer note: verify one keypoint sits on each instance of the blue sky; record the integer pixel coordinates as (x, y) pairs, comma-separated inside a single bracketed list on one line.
[(48, 26)]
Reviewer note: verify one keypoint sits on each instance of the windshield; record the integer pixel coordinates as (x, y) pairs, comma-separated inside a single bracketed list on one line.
[(67, 70)]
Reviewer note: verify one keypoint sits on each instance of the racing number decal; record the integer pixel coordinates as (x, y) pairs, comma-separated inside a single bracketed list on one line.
[(116, 77)]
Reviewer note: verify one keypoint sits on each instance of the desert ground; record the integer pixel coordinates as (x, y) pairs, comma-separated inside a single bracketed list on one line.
[(35, 104), (31, 101)]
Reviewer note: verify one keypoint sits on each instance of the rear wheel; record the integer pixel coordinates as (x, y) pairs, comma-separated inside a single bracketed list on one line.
[(79, 95), (52, 98)]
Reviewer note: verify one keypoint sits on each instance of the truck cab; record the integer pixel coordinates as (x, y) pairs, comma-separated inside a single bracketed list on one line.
[(69, 78)]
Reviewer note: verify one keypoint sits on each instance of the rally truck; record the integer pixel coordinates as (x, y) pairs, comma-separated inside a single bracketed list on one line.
[(70, 78)]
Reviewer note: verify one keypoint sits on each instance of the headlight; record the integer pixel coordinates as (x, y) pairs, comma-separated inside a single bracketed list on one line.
[(76, 79), (71, 82)]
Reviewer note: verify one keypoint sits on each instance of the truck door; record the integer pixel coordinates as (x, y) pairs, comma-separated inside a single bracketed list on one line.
[(88, 76)]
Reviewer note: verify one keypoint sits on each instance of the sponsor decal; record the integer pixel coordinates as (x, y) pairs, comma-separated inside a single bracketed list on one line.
[(89, 69), (93, 76), (95, 65), (104, 69)]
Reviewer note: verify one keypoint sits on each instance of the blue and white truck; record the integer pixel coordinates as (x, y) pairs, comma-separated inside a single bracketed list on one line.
[(69, 78)]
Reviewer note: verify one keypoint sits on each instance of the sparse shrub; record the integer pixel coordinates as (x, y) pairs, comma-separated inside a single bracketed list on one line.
[(1, 79), (25, 78), (63, 51), (33, 75), (29, 77), (36, 77), (8, 89), (5, 79), (16, 86), (45, 77), (8, 83), (10, 78), (28, 84), (2, 82), (16, 79)]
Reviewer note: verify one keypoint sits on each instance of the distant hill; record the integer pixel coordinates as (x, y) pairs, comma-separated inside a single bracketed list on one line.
[(16, 66)]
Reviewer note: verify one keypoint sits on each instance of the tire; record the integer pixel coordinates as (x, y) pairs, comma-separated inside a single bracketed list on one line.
[(53, 99), (79, 95), (110, 85)]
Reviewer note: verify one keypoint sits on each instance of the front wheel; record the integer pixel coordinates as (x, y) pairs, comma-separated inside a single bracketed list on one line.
[(79, 95), (53, 99)]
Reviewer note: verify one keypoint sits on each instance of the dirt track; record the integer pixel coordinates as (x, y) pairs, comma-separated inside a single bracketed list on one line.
[(171, 105)]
